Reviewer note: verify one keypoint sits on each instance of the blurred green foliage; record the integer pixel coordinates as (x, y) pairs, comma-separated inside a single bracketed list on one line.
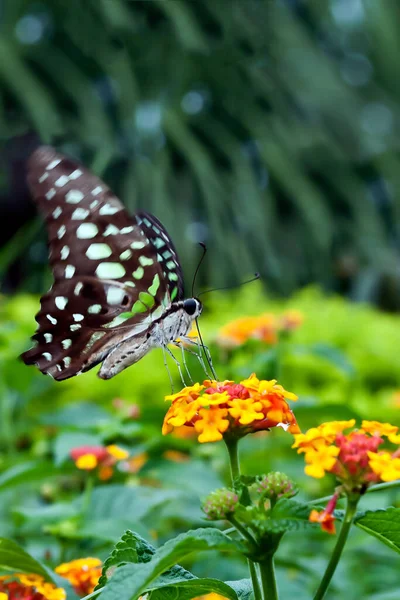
[(342, 362), (266, 128)]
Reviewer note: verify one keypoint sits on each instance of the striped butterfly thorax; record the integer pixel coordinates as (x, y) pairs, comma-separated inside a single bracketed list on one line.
[(118, 284)]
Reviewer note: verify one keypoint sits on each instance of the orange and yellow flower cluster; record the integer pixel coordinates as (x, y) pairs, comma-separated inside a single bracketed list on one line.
[(354, 457), (29, 587), (216, 409), (265, 327), (89, 458), (83, 574)]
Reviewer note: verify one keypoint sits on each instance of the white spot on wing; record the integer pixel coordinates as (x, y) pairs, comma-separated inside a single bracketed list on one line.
[(126, 254), (47, 355), (57, 212), (80, 213), (115, 295), (127, 229), (67, 361), (53, 164), (94, 309), (50, 194), (87, 231), (98, 251), (69, 271), (110, 270), (61, 232), (97, 190), (74, 196), (66, 344), (78, 317), (64, 252), (111, 230), (48, 337), (43, 177), (107, 209), (61, 181), (61, 302), (75, 326), (75, 174), (78, 288), (52, 320)]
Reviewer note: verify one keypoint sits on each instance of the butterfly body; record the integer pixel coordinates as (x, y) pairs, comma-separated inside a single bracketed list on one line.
[(118, 289)]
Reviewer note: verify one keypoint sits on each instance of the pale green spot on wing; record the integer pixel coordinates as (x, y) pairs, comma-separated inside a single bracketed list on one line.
[(147, 299), (173, 277), (138, 274), (155, 285), (98, 251), (146, 262), (174, 294), (138, 245), (110, 270)]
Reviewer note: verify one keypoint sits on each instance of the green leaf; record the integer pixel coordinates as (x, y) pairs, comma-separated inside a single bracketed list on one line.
[(334, 356), (133, 579), (185, 590), (27, 472), (288, 515), (14, 558), (243, 588), (384, 525)]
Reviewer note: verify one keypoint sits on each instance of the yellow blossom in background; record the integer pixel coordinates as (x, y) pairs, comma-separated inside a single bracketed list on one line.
[(83, 574), (89, 458), (29, 586), (211, 596), (354, 457), (265, 327), (215, 408)]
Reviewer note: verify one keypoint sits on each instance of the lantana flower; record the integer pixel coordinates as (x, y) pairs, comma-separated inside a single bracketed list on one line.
[(29, 587), (356, 458), (265, 327), (216, 409), (89, 458), (83, 574)]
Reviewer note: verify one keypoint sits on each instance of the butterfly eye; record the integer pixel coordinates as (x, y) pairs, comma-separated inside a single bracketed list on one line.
[(192, 306)]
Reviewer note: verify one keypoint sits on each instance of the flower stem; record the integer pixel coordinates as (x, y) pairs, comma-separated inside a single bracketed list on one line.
[(337, 551), (232, 445), (255, 580), (87, 494), (268, 580)]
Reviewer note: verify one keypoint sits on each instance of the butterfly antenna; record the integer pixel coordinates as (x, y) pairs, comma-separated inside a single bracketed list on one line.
[(198, 266), (231, 287)]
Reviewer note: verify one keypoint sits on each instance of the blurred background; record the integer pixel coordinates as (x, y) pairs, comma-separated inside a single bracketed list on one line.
[(266, 129)]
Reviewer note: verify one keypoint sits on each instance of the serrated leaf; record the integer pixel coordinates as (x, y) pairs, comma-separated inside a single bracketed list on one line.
[(288, 515), (131, 580), (186, 590), (243, 588), (384, 525)]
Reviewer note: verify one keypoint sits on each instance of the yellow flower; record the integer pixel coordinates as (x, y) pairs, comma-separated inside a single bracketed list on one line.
[(87, 462), (212, 424), (192, 391), (385, 465), (117, 452), (249, 406), (320, 461), (83, 574), (381, 429), (21, 585), (245, 411)]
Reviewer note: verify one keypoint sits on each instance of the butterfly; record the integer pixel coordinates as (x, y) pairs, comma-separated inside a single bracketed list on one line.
[(118, 285)]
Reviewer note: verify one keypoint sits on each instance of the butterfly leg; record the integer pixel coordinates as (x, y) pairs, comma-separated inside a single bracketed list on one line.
[(167, 368), (196, 354), (178, 364), (178, 345), (200, 347)]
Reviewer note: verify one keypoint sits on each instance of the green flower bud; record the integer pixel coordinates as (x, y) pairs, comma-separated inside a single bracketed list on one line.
[(220, 504), (276, 485)]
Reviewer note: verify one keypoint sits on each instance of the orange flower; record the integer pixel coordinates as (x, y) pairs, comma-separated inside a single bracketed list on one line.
[(88, 458), (83, 574), (29, 587), (265, 327), (217, 408), (352, 457), (325, 517)]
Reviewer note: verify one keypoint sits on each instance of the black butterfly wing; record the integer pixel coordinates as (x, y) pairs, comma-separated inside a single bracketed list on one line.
[(108, 277)]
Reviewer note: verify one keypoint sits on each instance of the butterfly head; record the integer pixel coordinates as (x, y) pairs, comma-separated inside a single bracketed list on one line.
[(193, 307)]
